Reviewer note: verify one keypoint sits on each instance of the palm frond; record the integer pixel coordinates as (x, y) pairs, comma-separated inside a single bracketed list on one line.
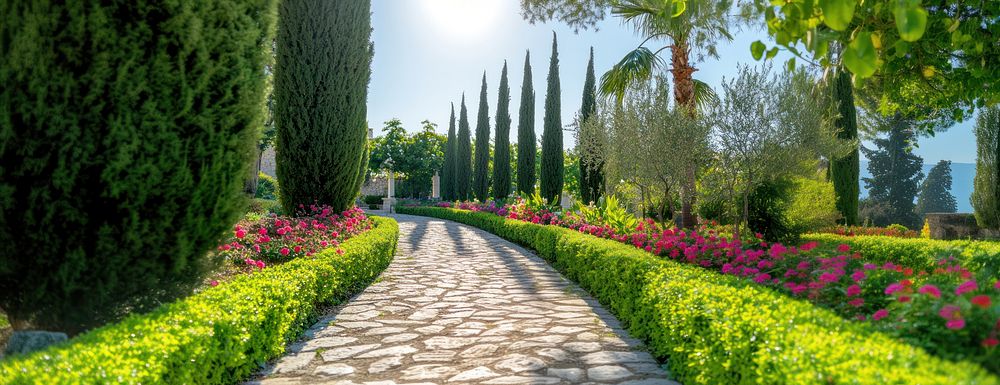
[(636, 67), (704, 96)]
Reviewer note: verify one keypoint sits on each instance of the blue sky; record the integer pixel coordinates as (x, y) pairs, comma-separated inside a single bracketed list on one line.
[(428, 52)]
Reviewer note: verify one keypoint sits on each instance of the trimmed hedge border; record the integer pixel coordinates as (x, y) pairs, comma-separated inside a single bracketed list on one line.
[(218, 336), (718, 329), (918, 253)]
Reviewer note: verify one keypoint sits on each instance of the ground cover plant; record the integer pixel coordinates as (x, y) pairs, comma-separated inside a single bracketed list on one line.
[(946, 308)]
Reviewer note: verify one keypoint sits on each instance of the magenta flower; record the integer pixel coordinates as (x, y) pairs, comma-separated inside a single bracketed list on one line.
[(955, 324), (880, 314), (950, 312), (241, 233), (284, 251), (857, 302), (858, 275), (893, 287), (853, 290), (966, 287), (930, 290), (843, 248)]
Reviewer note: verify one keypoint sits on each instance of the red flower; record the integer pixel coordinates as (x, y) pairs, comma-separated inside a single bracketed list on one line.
[(990, 342), (931, 290), (981, 301), (843, 248), (284, 251), (214, 283)]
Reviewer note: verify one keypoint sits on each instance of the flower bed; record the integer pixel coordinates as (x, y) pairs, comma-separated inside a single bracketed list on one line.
[(717, 328), (898, 231), (886, 294), (218, 336), (918, 253)]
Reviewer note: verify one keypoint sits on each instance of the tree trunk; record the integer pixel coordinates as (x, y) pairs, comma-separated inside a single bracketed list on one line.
[(251, 185), (684, 97)]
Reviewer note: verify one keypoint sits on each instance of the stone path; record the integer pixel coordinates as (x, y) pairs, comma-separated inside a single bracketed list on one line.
[(460, 305)]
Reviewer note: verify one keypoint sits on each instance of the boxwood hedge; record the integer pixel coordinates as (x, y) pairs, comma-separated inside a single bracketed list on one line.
[(218, 336), (918, 253), (718, 329)]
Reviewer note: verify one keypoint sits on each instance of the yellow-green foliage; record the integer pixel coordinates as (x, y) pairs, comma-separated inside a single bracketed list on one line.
[(718, 329), (813, 205), (918, 253), (218, 336)]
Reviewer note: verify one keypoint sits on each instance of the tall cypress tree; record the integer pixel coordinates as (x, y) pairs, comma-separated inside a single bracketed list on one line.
[(896, 173), (324, 57), (844, 172), (986, 185), (481, 167), (526, 133), (935, 191), (463, 163), (448, 172), (591, 166), (501, 150), (552, 143)]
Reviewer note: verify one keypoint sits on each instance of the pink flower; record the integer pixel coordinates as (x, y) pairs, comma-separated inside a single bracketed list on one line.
[(950, 312), (858, 275), (214, 283), (297, 249), (931, 290), (261, 264), (892, 288), (284, 251), (870, 266), (880, 314), (262, 231), (241, 233), (843, 248), (981, 301), (857, 302), (808, 246), (853, 290), (955, 324), (996, 285), (340, 251), (966, 287), (990, 342)]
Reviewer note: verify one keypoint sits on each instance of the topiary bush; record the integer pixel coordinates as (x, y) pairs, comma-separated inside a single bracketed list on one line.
[(125, 135), (220, 335), (267, 187)]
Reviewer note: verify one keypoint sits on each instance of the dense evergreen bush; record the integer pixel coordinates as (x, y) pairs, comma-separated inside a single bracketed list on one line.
[(812, 205), (986, 192), (768, 211), (463, 152), (448, 170), (720, 329), (267, 187), (126, 133), (323, 66), (220, 335)]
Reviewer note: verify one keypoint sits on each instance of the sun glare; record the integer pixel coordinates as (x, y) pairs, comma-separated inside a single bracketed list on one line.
[(462, 19)]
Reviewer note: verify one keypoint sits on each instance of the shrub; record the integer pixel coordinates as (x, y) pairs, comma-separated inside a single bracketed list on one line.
[(768, 211), (264, 206), (218, 336), (277, 239), (714, 328), (900, 231), (812, 205), (125, 138), (373, 199), (321, 76), (918, 253), (986, 192), (267, 187)]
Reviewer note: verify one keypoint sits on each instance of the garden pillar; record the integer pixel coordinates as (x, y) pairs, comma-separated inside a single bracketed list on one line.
[(389, 199), (436, 186)]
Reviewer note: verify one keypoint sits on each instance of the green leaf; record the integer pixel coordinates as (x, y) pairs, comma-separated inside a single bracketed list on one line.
[(757, 50), (838, 13), (911, 20), (860, 57), (679, 7), (771, 52), (790, 65)]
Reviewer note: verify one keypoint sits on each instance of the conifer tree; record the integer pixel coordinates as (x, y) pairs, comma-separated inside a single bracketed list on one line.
[(896, 173), (481, 167), (463, 163), (551, 173), (986, 185), (450, 158), (591, 166), (935, 191), (324, 56), (845, 171), (501, 148), (526, 134)]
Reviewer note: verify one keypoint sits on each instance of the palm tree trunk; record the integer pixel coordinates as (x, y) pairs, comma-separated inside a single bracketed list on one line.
[(684, 97)]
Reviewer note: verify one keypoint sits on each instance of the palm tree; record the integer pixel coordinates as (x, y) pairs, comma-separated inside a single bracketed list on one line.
[(686, 28)]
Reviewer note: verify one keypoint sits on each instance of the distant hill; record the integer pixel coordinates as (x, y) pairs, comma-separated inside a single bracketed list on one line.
[(962, 175)]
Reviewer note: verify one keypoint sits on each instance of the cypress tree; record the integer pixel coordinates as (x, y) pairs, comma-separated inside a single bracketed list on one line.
[(321, 79), (526, 134), (463, 165), (591, 166), (481, 167), (896, 173), (986, 185), (551, 175), (844, 172), (363, 168), (935, 191), (501, 149), (448, 172), (127, 130)]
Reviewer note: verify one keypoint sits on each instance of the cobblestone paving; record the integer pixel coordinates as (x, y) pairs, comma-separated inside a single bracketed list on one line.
[(459, 305)]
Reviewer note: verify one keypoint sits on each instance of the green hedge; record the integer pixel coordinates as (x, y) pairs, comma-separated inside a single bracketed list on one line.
[(918, 253), (717, 329), (218, 336)]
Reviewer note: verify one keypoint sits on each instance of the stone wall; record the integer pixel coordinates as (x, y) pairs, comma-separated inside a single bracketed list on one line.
[(957, 226)]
